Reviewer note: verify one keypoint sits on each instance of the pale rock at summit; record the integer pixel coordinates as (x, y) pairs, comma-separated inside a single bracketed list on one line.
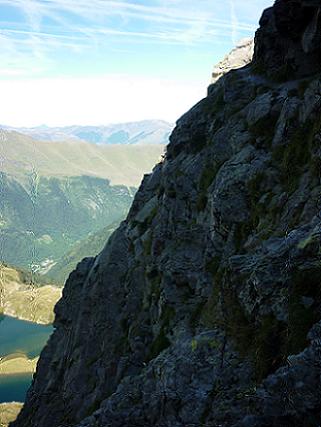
[(240, 56)]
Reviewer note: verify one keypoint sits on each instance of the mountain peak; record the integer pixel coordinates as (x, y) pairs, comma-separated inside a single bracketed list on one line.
[(240, 56), (287, 44)]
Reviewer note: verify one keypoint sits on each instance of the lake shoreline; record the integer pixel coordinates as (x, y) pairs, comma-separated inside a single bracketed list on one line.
[(27, 301), (7, 313), (17, 364), (9, 412), (21, 343)]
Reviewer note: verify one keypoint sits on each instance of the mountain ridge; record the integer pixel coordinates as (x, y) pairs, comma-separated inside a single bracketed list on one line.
[(22, 156), (145, 132)]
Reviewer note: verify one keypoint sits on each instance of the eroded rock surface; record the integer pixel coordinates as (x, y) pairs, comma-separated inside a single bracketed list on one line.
[(204, 306), (240, 56)]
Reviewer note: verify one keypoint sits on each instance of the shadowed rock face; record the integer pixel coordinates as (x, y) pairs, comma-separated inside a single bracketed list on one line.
[(204, 307), (288, 43)]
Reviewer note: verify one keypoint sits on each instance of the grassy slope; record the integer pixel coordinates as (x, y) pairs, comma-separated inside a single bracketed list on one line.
[(18, 364), (121, 164), (9, 412), (26, 296)]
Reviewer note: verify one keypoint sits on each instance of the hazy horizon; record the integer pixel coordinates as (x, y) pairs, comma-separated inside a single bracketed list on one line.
[(70, 62), (106, 124)]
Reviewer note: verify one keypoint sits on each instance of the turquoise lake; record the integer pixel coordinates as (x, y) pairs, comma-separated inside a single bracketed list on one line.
[(19, 336), (13, 388)]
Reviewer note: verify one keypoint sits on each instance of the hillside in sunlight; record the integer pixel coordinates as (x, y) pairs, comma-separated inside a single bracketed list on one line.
[(22, 156), (27, 296)]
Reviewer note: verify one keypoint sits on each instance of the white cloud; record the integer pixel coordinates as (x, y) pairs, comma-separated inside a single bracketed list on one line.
[(234, 23), (77, 24), (111, 99), (32, 48)]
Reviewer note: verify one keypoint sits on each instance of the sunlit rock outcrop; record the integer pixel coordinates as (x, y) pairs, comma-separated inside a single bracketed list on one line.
[(240, 56)]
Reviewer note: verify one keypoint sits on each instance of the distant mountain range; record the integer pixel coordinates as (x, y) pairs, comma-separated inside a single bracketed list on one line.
[(147, 132)]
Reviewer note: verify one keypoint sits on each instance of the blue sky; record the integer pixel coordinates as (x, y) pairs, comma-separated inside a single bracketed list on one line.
[(62, 45)]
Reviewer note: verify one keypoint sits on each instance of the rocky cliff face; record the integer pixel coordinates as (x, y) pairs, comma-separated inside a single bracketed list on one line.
[(204, 306)]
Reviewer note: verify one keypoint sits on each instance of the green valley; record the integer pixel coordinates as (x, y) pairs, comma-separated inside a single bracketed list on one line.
[(43, 220), (53, 194)]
